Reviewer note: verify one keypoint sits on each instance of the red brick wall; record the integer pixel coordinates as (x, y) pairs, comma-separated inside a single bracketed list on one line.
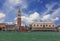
[(19, 21)]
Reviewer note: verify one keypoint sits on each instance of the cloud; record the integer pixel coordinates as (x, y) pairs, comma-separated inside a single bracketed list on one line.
[(36, 17), (10, 7), (14, 3), (32, 18), (56, 19), (49, 18), (52, 17), (46, 17), (49, 8), (29, 19), (2, 21), (56, 13), (9, 23), (2, 16), (15, 18)]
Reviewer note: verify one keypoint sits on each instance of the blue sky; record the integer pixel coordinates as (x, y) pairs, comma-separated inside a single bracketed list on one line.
[(31, 11)]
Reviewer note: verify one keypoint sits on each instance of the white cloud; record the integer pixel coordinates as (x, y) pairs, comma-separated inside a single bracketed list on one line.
[(10, 6), (2, 16), (52, 17), (49, 8), (9, 23), (55, 16), (56, 19), (46, 17), (49, 18), (15, 18), (56, 13), (13, 3), (2, 20), (36, 17), (29, 19)]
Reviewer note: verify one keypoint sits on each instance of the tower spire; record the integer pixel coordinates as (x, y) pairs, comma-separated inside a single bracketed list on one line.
[(19, 18), (19, 12)]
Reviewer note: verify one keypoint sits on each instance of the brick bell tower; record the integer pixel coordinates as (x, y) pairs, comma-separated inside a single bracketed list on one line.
[(19, 18)]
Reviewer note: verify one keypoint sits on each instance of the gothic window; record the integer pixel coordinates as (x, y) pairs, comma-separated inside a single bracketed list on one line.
[(34, 24), (49, 25), (37, 25), (53, 25), (43, 25), (40, 25), (46, 25)]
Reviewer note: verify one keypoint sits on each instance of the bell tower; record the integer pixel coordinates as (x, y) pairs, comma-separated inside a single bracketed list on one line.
[(19, 18), (21, 28)]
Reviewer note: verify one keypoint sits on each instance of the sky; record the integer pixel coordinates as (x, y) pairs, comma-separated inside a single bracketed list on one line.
[(31, 11)]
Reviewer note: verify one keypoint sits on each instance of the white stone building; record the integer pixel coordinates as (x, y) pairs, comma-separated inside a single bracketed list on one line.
[(43, 26)]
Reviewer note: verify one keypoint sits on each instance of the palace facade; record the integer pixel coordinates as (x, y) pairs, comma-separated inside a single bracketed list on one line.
[(46, 26)]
